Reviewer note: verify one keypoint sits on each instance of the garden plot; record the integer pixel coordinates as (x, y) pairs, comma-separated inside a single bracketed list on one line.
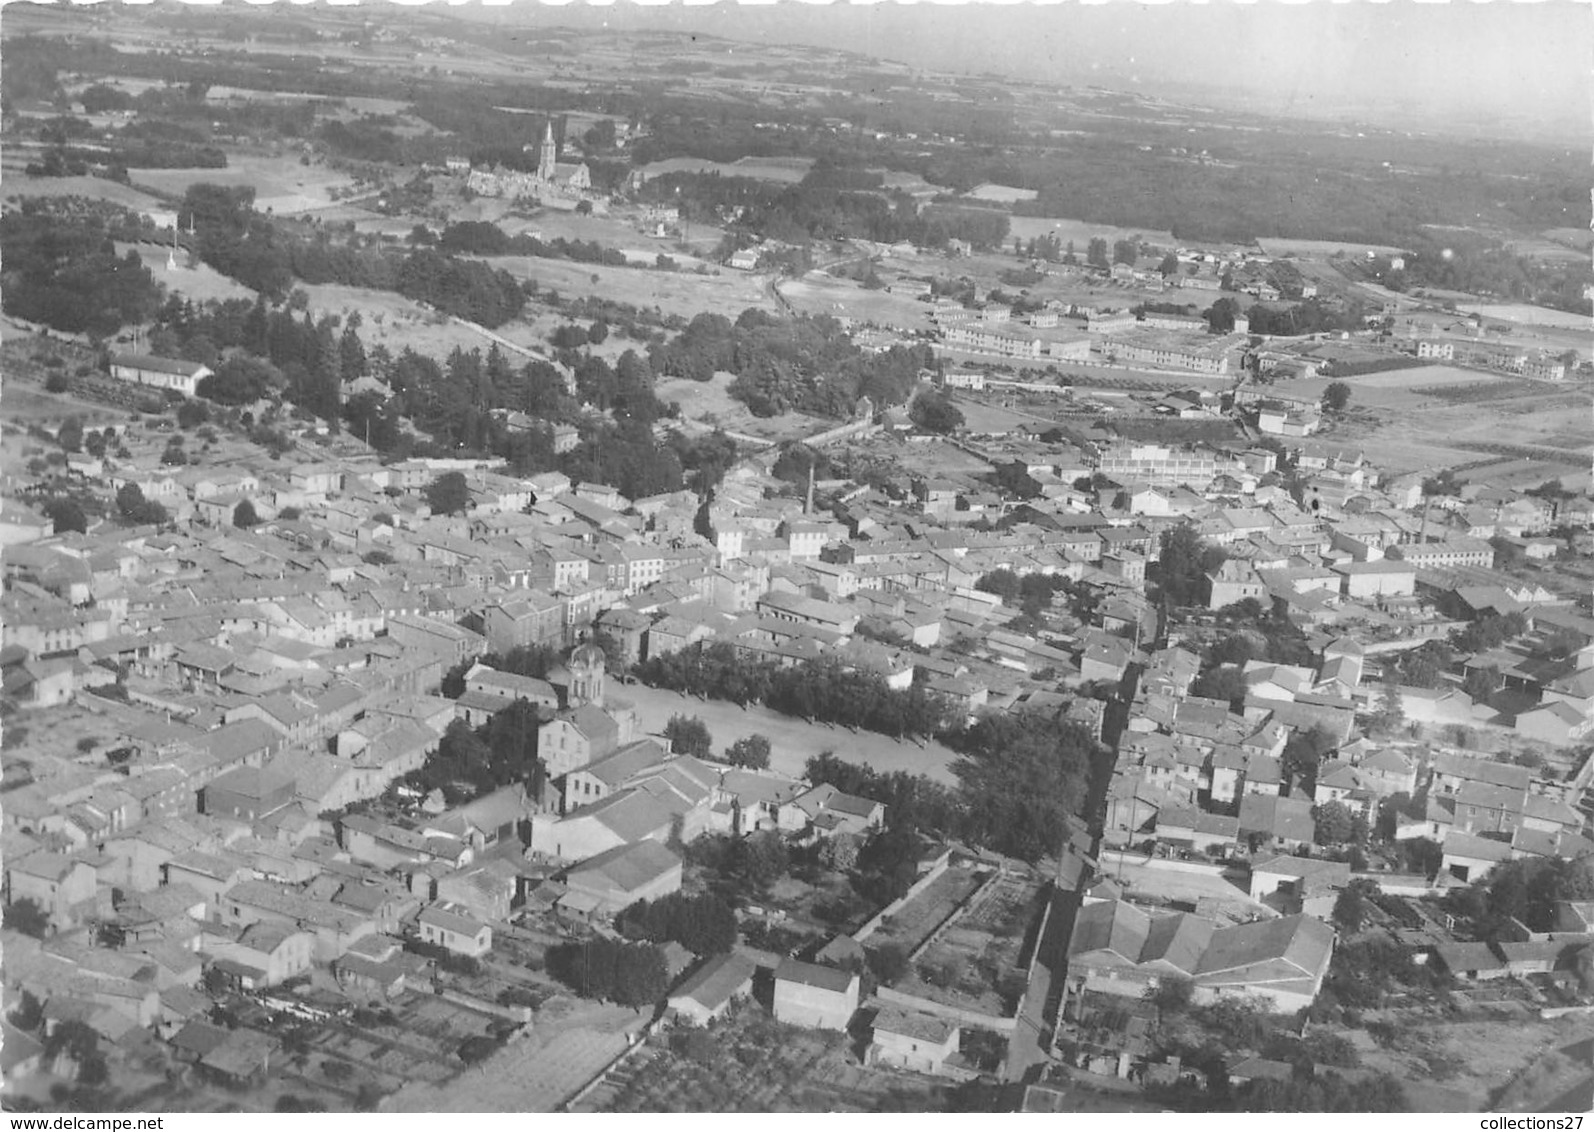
[(913, 923), (976, 963), (746, 1062), (984, 947)]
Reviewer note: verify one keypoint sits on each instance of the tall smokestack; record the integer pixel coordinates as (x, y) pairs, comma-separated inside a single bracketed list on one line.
[(808, 504), (1422, 535)]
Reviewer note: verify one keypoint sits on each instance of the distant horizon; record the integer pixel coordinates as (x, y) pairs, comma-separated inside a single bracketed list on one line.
[(1473, 69)]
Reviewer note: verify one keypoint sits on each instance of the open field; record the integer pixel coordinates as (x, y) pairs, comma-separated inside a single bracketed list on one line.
[(787, 170), (792, 742), (366, 221), (94, 188), (984, 417), (1418, 377), (907, 182), (728, 293), (701, 399), (396, 322), (1532, 316), (1539, 248), (1392, 389), (622, 230), (817, 293), (201, 282), (707, 405), (1001, 194), (25, 404), (1081, 232), (1428, 417), (1279, 246), (1571, 237), (281, 184)]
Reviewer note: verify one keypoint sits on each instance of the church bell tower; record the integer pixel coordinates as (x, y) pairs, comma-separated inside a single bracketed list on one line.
[(549, 154)]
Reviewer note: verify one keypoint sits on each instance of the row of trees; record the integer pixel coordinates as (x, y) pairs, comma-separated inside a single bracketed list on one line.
[(820, 690)]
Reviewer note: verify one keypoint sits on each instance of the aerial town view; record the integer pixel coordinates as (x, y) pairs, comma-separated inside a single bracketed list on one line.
[(706, 560)]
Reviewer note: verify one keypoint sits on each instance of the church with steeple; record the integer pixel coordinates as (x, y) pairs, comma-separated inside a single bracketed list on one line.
[(553, 178), (560, 176)]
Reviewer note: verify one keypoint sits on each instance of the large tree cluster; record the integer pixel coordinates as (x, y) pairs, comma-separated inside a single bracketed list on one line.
[(816, 690), (630, 974), (63, 272)]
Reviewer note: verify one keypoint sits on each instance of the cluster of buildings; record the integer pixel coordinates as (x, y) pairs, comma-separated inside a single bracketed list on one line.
[(1480, 353), (1073, 333), (552, 180), (214, 726)]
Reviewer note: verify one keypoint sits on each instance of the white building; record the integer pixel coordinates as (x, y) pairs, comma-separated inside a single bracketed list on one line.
[(160, 373)]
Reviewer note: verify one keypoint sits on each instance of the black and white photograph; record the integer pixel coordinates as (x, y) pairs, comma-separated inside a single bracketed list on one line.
[(855, 558)]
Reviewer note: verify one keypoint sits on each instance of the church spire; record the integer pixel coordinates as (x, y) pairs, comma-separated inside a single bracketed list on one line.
[(549, 155)]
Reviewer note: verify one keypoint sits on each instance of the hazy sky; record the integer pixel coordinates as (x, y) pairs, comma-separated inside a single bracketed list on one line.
[(1528, 60)]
